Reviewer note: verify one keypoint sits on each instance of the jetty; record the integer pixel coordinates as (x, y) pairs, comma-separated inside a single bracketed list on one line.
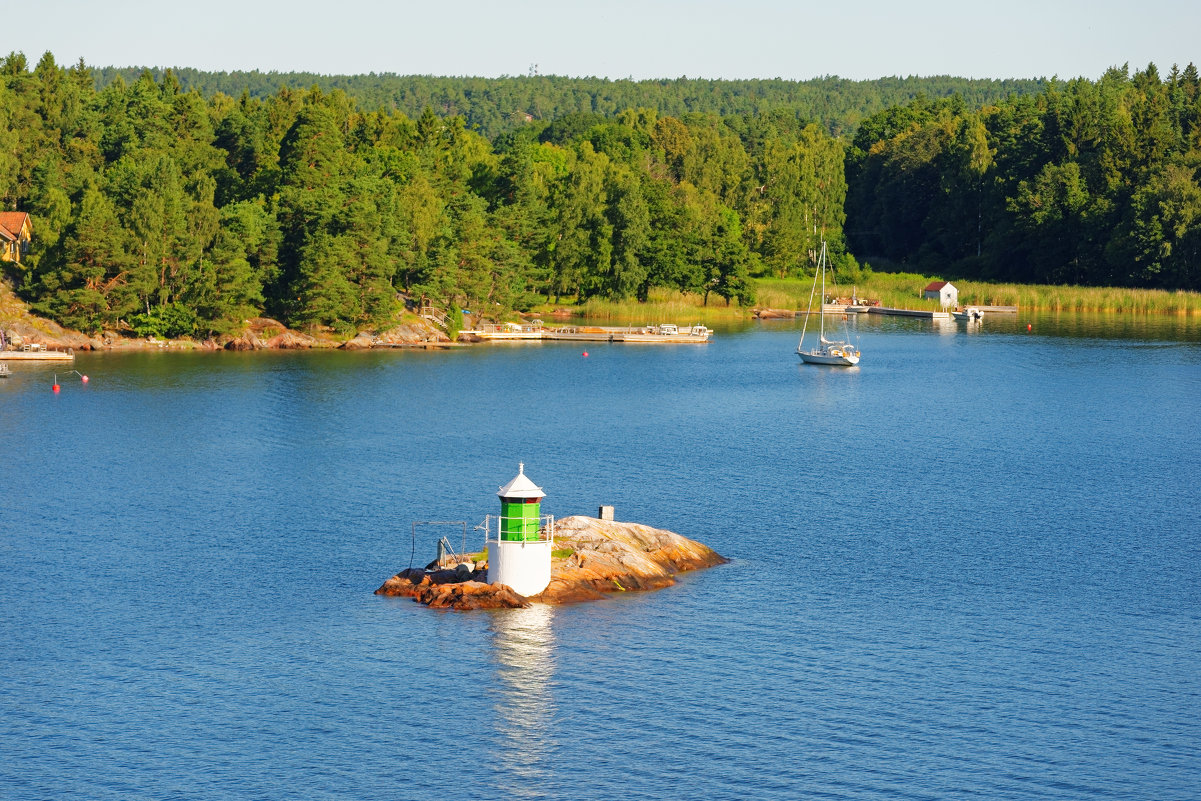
[(923, 313), (875, 308), (535, 331), (29, 353), (937, 315)]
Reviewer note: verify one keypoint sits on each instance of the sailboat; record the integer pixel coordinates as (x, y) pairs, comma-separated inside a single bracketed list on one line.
[(828, 351)]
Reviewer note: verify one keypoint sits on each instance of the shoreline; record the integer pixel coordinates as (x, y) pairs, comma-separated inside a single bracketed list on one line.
[(263, 333), (260, 333)]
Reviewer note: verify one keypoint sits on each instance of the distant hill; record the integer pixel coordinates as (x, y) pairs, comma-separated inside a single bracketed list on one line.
[(495, 105)]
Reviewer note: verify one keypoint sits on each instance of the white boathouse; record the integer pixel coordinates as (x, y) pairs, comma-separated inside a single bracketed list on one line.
[(944, 292)]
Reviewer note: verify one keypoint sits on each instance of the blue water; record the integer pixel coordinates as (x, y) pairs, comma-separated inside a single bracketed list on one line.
[(970, 567)]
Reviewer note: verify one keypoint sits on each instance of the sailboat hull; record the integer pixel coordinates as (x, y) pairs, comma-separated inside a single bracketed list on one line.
[(842, 359)]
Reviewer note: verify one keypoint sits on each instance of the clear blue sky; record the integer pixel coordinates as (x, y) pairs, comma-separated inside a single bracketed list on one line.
[(617, 38)]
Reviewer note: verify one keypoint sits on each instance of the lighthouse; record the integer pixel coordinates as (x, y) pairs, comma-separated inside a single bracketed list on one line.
[(519, 546)]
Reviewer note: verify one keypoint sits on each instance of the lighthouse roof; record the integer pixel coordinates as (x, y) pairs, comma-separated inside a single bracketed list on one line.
[(520, 486)]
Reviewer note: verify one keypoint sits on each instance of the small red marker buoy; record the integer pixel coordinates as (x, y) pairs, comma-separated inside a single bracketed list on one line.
[(55, 388), (84, 379), (585, 354), (1027, 326)]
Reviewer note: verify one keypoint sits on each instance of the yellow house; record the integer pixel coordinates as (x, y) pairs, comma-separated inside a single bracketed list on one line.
[(16, 231)]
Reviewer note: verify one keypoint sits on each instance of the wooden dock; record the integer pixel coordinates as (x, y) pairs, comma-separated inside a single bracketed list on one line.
[(928, 315), (581, 334), (665, 334), (36, 354)]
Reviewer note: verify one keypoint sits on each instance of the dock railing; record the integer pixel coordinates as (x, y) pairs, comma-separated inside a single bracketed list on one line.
[(532, 327)]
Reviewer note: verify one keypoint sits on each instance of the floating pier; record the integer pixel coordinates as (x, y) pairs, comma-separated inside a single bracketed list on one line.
[(31, 353), (928, 315), (662, 334)]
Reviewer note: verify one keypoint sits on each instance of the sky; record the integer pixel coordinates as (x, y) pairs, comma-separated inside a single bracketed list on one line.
[(857, 39)]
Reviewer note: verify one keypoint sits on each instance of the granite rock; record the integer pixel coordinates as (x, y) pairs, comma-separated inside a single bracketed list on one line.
[(592, 558)]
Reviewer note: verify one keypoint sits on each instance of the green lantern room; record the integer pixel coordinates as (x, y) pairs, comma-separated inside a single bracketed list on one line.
[(520, 508)]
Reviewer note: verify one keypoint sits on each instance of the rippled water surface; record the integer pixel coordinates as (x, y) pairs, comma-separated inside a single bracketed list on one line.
[(968, 568)]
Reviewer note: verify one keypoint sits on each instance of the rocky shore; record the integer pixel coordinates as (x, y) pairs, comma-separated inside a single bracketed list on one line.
[(260, 333), (20, 327), (592, 558)]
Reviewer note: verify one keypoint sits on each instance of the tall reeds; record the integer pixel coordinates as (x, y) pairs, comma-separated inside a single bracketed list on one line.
[(899, 290), (904, 290)]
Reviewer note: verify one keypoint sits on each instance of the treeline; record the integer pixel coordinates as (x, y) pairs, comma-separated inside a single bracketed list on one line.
[(169, 213), (1093, 183), (165, 211), (493, 106)]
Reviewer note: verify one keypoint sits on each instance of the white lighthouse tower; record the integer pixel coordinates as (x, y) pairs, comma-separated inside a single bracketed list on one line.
[(519, 547)]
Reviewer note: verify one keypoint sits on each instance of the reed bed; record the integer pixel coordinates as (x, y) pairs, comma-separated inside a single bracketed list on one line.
[(897, 290), (903, 290), (1081, 299)]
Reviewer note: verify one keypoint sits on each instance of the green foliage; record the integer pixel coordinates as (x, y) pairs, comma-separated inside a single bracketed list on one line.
[(495, 106), (168, 322), (1095, 183), (166, 201)]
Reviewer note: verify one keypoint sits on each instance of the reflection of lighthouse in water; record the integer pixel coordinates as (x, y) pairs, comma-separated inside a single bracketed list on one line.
[(524, 647)]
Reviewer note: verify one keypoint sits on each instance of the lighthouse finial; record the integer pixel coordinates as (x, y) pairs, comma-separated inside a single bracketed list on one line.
[(521, 468)]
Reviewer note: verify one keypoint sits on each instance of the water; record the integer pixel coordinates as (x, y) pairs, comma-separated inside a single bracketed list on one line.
[(968, 568)]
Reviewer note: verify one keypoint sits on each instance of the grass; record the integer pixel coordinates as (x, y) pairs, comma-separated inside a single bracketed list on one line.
[(562, 553), (13, 310)]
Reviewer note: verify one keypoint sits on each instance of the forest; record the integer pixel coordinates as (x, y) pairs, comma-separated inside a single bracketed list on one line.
[(1086, 183), (492, 106), (166, 210)]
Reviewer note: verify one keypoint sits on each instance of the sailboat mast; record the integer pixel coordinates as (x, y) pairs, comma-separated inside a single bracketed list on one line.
[(822, 308)]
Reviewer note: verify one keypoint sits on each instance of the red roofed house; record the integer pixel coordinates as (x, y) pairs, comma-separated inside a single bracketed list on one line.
[(16, 231), (942, 291)]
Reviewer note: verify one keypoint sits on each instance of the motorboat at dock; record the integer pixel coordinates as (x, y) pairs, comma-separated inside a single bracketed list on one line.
[(668, 333), (969, 314)]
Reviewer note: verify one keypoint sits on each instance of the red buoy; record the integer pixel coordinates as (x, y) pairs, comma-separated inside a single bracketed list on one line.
[(56, 388), (85, 379), (585, 354), (1027, 326)]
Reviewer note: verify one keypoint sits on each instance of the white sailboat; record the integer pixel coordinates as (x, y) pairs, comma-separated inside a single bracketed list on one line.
[(828, 351)]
